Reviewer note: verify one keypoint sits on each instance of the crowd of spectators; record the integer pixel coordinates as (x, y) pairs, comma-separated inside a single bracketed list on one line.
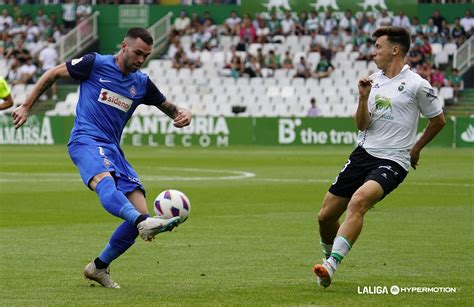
[(27, 42), (328, 35)]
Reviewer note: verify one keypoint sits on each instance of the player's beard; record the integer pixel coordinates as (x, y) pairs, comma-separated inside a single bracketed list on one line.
[(129, 65)]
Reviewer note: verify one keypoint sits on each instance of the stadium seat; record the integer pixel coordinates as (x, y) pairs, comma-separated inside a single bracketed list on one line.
[(441, 58), (446, 93), (450, 48), (436, 48)]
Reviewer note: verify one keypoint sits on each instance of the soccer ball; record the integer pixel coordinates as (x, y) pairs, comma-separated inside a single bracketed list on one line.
[(171, 203)]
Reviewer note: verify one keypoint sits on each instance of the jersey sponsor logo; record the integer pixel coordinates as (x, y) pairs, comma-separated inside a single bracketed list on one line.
[(115, 100), (104, 80), (75, 61), (382, 103)]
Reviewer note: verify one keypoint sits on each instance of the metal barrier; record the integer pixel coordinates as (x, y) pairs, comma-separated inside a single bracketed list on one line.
[(464, 56), (160, 31), (79, 38)]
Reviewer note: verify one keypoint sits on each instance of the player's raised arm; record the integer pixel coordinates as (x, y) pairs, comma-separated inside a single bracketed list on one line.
[(362, 116), (181, 116), (20, 115)]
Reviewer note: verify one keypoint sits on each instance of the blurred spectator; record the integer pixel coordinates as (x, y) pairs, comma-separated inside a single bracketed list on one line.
[(42, 20), (236, 67), (181, 24), (314, 110), (248, 35), (318, 42), (424, 70), (83, 10), (415, 26), (5, 20), (251, 66), (274, 24), (414, 56), (437, 19), (48, 58), (444, 33), (232, 24), (348, 21), (457, 33), (69, 15), (27, 72), (335, 41), (13, 75), (273, 60), (302, 69), (401, 20), (179, 59), (193, 57), (456, 82), (359, 39), (328, 22), (32, 31), (366, 51), (431, 31), (260, 57), (300, 28), (288, 24), (287, 61), (370, 26), (437, 78), (214, 41), (174, 46), (383, 19), (324, 67), (312, 22), (467, 22), (201, 37), (262, 32)]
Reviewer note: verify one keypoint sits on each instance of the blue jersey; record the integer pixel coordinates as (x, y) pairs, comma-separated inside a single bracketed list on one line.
[(107, 97)]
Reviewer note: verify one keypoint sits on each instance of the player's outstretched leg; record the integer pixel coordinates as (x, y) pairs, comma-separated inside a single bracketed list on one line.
[(102, 276), (152, 226)]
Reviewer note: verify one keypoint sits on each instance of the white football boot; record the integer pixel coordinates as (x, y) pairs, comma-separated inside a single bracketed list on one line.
[(152, 226), (102, 276)]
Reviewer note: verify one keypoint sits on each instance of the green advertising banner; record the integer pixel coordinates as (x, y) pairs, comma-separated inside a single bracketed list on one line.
[(464, 132), (253, 6), (203, 132), (208, 131)]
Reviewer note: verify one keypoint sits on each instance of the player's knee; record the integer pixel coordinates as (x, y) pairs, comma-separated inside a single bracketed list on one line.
[(325, 216), (358, 205)]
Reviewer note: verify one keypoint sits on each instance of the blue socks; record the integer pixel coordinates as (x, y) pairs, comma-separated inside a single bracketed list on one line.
[(121, 240), (115, 202)]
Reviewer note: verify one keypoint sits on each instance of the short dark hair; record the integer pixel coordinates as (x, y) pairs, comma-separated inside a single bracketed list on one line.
[(140, 33), (395, 35)]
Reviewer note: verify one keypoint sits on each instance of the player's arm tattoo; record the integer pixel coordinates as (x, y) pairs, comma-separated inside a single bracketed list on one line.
[(169, 109)]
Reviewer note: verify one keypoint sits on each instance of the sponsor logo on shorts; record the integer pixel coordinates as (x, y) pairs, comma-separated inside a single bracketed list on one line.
[(115, 100)]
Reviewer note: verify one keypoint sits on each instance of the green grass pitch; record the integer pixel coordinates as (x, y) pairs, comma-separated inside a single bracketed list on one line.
[(251, 237)]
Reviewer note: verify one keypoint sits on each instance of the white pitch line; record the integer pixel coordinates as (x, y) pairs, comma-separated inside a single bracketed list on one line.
[(235, 175)]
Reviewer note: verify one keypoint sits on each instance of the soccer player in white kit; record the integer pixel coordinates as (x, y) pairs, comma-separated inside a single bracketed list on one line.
[(390, 103)]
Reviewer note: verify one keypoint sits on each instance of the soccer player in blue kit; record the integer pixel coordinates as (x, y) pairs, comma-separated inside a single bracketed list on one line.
[(111, 89)]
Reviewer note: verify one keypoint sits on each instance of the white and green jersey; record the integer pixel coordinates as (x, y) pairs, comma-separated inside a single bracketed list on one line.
[(395, 106)]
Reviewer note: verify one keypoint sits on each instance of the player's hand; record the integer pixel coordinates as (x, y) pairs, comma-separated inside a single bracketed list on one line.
[(365, 85), (183, 118), (414, 157), (20, 115)]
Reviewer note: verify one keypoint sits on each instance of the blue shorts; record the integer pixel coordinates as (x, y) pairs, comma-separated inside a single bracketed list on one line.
[(95, 158)]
